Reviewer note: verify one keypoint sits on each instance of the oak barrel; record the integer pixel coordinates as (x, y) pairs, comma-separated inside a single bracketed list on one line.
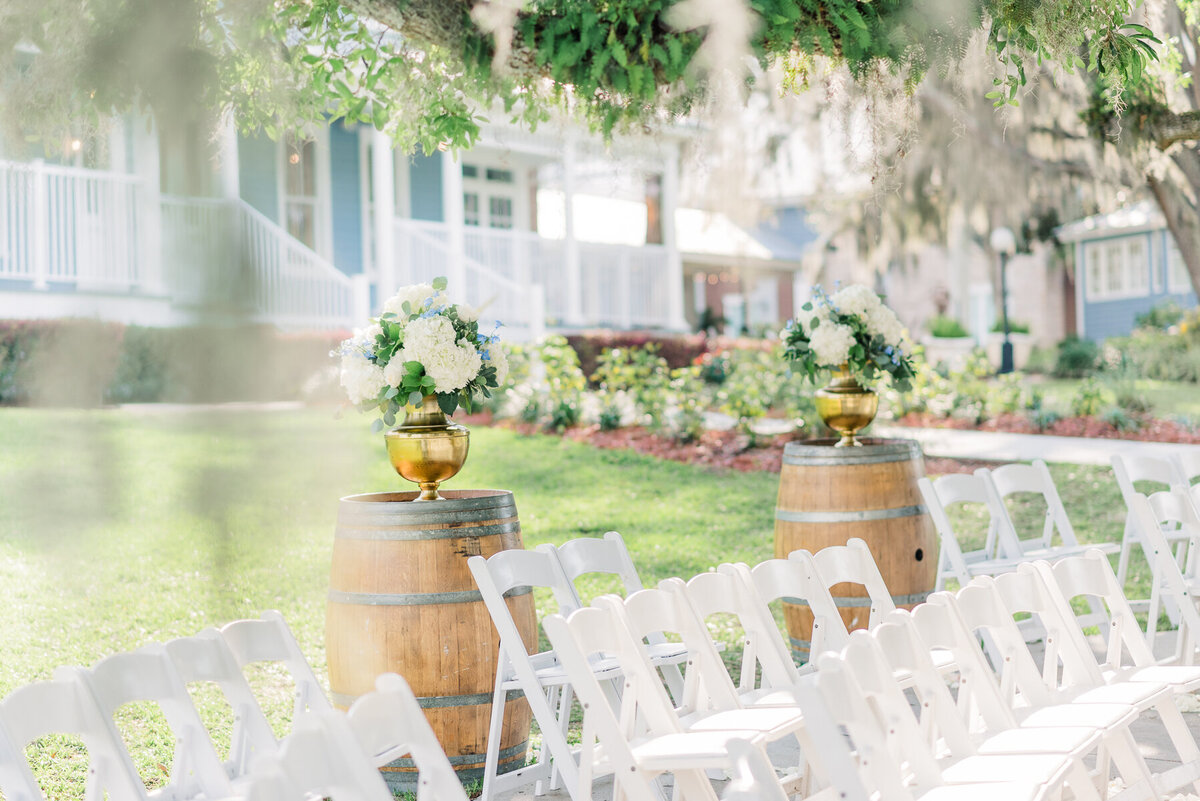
[(829, 495), (402, 600)]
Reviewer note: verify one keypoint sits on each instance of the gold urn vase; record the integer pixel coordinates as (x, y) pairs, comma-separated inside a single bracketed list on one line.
[(846, 406), (427, 449)]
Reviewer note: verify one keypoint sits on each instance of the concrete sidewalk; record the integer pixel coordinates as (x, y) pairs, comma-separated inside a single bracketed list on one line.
[(1000, 446)]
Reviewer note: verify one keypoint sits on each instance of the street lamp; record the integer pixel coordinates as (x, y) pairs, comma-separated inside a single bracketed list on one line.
[(1005, 245)]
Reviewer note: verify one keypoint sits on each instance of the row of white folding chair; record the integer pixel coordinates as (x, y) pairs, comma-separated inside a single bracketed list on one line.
[(1004, 548), (1069, 670), (539, 676)]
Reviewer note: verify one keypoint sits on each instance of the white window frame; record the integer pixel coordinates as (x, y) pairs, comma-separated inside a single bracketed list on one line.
[(515, 191), (1181, 283), (1100, 271), (322, 186)]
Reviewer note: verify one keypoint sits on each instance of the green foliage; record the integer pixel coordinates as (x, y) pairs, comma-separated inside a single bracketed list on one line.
[(1120, 419), (1164, 315), (641, 373), (620, 64), (946, 327), (1076, 358), (1089, 399), (564, 383), (1043, 419), (687, 401), (1014, 327)]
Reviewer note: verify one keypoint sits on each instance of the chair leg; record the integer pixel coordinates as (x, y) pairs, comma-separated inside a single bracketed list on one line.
[(491, 762), (1127, 540), (564, 722)]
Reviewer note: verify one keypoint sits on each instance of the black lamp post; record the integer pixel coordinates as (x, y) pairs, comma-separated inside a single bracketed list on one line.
[(1005, 245)]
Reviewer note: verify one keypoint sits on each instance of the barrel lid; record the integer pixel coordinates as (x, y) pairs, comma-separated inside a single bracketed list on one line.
[(451, 499), (820, 452)]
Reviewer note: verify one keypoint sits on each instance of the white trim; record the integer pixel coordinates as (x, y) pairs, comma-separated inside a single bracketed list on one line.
[(324, 187), (367, 217), (1099, 291), (1184, 284), (1080, 287)]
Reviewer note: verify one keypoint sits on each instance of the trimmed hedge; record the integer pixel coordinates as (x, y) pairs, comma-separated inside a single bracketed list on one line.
[(680, 350)]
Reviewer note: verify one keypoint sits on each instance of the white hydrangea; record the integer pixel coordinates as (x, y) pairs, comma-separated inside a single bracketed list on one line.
[(394, 371), (360, 377), (424, 335), (415, 295), (819, 311), (452, 367), (468, 314), (498, 358), (856, 299), (883, 322), (831, 343)]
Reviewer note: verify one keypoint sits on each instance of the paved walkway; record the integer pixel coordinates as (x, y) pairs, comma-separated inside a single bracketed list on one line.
[(1005, 447)]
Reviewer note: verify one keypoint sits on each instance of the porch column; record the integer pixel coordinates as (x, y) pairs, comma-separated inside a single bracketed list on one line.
[(227, 144), (154, 238), (383, 192), (574, 310), (670, 200), (452, 215), (41, 225)]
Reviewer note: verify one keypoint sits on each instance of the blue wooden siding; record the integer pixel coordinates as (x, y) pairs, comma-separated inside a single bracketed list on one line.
[(257, 173), (425, 187), (346, 194), (1113, 318)]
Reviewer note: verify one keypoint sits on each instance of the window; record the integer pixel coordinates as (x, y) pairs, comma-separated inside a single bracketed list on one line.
[(500, 212), (499, 176), (1117, 268), (470, 208), (300, 190)]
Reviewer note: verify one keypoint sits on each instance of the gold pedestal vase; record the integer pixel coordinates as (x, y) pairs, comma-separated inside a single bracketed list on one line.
[(846, 406), (427, 449)]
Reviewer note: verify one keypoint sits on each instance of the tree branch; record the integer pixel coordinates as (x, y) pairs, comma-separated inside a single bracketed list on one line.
[(1176, 127)]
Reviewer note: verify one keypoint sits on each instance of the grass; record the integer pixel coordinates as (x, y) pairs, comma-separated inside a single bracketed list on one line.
[(120, 529), (1168, 398)]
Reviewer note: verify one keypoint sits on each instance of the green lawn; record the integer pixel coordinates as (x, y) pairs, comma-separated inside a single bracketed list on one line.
[(1168, 398), (119, 529)]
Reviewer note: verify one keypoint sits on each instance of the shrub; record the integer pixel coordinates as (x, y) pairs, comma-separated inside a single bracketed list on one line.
[(1162, 316), (678, 350), (1160, 355), (1014, 327), (1043, 418), (1088, 400), (946, 327), (1006, 395), (1121, 420), (1041, 360), (1076, 358), (714, 367), (564, 382), (686, 404), (641, 373)]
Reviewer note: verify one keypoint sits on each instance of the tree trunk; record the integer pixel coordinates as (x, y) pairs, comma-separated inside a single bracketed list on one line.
[(1183, 221)]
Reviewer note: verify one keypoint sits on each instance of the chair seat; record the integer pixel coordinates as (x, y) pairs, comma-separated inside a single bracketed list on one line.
[(550, 673), (999, 791), (1057, 740), (770, 721), (688, 750), (1098, 716), (1041, 768), (1180, 678), (1136, 694)]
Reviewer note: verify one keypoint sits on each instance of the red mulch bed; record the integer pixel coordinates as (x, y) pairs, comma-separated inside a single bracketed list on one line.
[(1151, 430), (719, 449)]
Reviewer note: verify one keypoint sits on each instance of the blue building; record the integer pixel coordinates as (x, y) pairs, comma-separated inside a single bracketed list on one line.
[(143, 227), (1126, 263)]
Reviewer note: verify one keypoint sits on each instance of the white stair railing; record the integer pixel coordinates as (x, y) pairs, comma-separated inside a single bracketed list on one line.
[(226, 256)]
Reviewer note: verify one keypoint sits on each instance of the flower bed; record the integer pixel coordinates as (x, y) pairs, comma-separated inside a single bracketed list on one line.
[(1150, 429)]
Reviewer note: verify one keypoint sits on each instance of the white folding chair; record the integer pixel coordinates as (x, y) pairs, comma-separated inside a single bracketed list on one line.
[(62, 706), (389, 723), (149, 675), (794, 581), (1013, 704), (1070, 671), (1127, 656), (539, 676), (619, 732), (726, 592), (320, 758), (609, 555), (953, 562), (895, 753), (853, 563), (268, 639), (1129, 470), (1168, 580), (206, 657)]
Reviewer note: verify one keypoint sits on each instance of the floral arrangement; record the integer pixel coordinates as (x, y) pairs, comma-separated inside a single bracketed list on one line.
[(851, 328), (422, 344)]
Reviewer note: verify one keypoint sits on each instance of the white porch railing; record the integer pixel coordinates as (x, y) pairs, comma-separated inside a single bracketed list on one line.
[(64, 225), (497, 274), (226, 256), (621, 285)]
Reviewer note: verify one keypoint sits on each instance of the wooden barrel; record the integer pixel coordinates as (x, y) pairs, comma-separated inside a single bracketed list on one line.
[(829, 495), (402, 600)]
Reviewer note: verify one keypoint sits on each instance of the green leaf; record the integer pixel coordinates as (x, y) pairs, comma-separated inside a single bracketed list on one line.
[(448, 402), (415, 398), (439, 283), (389, 419), (392, 392), (376, 426)]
